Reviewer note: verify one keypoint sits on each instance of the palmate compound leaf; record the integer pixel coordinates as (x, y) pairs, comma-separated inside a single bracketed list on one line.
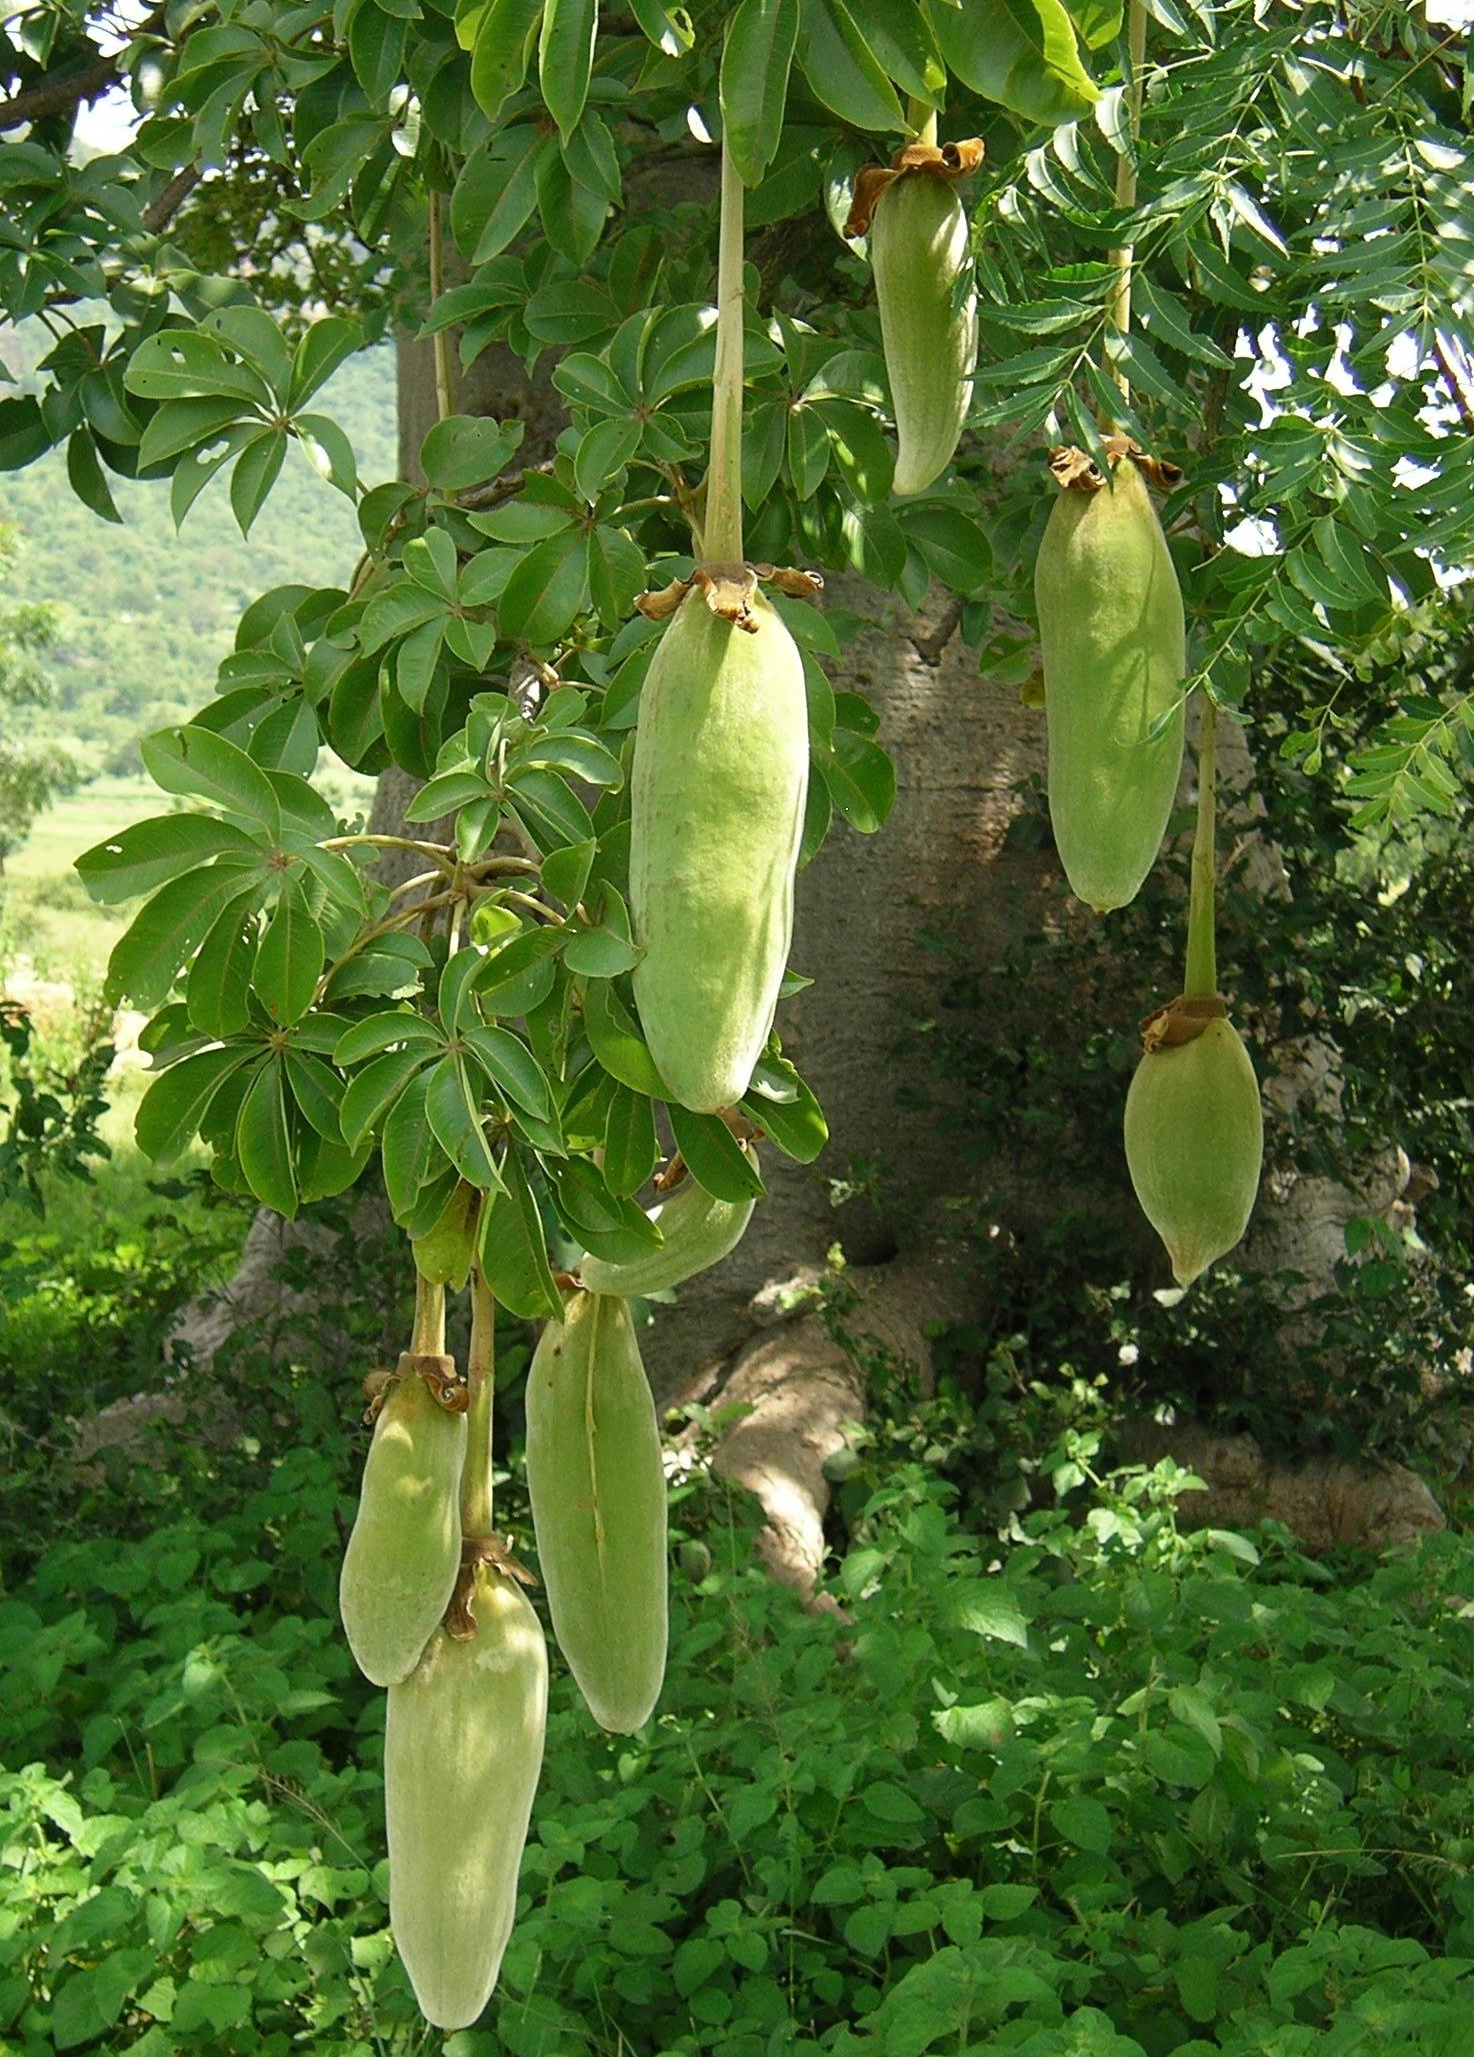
[(149, 956)]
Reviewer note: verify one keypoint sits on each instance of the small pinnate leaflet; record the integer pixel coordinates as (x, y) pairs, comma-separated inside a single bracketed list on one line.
[(400, 1567), (1112, 638), (716, 815), (1194, 1144), (463, 1746), (597, 1483)]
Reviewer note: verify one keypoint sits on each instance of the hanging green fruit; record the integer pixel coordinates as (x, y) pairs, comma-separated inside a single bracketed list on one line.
[(1194, 1133), (463, 1747), (924, 290), (597, 1482), (699, 1231), (716, 815), (403, 1556), (1114, 657)]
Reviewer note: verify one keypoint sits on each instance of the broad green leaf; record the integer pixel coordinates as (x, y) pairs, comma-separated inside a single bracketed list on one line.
[(754, 82), (519, 976), (861, 779), (318, 1092), (565, 58), (951, 544), (1021, 53), (320, 350), (843, 72), (219, 983), (382, 1032), (467, 450), (192, 760), (713, 1155), (453, 1110), (255, 474), (1098, 22), (600, 1221), (176, 1102), (546, 591), (552, 814), (289, 959), (513, 1252), (603, 453), (500, 53), (263, 1142), (166, 932), (797, 1126), (412, 1157), (630, 1144), (511, 1067), (139, 858), (617, 1043), (378, 1086), (600, 952), (86, 476), (178, 364)]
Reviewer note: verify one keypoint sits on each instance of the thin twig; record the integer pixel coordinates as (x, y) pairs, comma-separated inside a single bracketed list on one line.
[(161, 211)]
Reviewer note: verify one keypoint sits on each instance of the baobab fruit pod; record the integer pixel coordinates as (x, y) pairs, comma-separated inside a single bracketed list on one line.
[(463, 1745), (928, 321), (699, 1231), (443, 1255), (717, 807), (405, 1550), (1114, 651), (597, 1483), (1194, 1143)]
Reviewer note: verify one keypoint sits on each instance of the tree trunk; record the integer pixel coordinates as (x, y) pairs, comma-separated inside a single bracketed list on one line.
[(768, 1328)]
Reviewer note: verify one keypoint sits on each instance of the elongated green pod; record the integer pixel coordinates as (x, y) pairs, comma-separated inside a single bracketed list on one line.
[(400, 1567), (928, 321), (699, 1231), (597, 1483), (1194, 1145), (717, 807), (1112, 638), (463, 1746)]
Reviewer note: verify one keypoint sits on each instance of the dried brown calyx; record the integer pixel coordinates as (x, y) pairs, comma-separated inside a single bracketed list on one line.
[(947, 161), (1182, 1020), (729, 591), (1077, 471), (438, 1372), (460, 1617)]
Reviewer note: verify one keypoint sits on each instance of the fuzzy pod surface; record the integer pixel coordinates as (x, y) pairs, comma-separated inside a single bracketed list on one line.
[(716, 815), (1114, 657), (1194, 1145), (597, 1483), (928, 321), (400, 1567), (699, 1231), (463, 1746)]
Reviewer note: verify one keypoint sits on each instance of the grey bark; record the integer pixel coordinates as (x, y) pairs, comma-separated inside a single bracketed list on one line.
[(966, 751)]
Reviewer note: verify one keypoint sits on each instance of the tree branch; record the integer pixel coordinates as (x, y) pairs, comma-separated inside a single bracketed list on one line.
[(66, 90), (161, 211)]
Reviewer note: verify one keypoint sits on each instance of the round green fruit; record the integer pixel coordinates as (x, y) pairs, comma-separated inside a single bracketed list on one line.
[(1194, 1145)]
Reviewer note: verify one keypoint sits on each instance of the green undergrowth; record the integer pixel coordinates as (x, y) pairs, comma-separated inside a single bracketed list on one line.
[(1103, 1788)]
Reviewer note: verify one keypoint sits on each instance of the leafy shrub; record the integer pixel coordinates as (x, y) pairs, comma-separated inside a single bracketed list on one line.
[(1104, 1790)]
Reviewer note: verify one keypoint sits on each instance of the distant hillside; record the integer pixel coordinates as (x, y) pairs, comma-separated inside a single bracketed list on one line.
[(148, 615)]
